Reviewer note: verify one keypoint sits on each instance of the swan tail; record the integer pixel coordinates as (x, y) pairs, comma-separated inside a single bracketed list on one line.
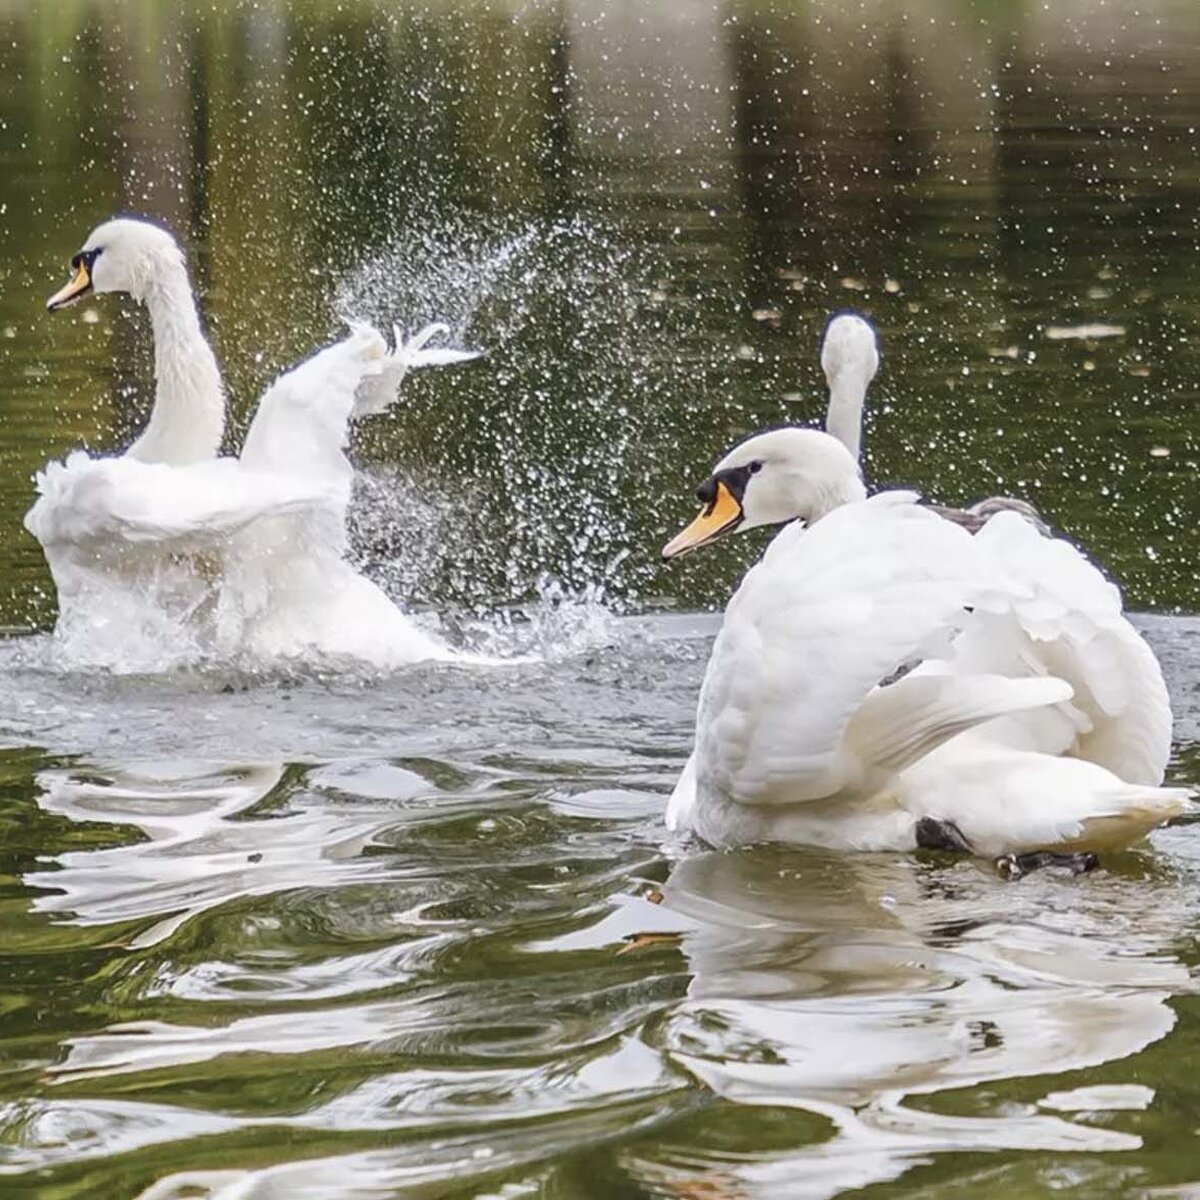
[(1136, 812), (378, 392), (1111, 816), (899, 724)]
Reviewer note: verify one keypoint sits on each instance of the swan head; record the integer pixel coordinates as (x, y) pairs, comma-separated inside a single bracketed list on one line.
[(121, 255), (849, 347), (769, 479)]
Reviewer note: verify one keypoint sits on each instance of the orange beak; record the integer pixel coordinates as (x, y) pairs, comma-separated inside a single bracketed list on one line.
[(721, 516), (81, 282)]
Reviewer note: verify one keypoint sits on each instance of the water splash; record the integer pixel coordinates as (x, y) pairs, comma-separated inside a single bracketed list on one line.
[(544, 300)]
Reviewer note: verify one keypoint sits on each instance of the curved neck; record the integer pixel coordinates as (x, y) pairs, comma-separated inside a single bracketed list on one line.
[(847, 393), (833, 493), (187, 421)]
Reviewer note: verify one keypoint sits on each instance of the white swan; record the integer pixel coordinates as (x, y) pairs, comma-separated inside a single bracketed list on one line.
[(168, 553), (850, 361), (1019, 639)]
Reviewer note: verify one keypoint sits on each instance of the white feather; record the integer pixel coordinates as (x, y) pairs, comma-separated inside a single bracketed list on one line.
[(1038, 717), (168, 552)]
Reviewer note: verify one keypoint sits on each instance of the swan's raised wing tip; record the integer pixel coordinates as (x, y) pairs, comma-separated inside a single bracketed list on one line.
[(446, 357), (417, 352)]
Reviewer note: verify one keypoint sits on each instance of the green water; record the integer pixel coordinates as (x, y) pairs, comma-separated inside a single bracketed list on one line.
[(347, 938)]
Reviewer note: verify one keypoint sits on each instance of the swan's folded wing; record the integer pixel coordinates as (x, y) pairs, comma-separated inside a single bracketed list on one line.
[(109, 501), (1055, 613), (827, 614)]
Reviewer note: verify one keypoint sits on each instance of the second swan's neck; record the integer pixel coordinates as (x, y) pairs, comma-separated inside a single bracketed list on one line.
[(847, 392), (187, 421)]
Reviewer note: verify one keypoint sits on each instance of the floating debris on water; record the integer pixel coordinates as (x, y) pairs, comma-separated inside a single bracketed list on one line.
[(1066, 333)]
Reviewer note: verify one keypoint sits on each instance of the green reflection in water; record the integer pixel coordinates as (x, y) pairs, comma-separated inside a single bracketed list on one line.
[(669, 181), (644, 214)]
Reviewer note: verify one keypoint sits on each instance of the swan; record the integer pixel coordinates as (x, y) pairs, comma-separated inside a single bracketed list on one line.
[(169, 550), (1035, 721), (850, 361)]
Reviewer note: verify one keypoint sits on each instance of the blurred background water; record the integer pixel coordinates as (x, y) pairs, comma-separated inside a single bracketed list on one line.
[(341, 937)]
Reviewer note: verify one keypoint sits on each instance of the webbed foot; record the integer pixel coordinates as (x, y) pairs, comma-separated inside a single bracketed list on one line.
[(1013, 866)]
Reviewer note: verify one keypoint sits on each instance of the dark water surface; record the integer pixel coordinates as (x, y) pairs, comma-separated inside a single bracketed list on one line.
[(339, 937)]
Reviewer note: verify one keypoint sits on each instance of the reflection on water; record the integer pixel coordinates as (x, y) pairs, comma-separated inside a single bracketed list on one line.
[(851, 987), (429, 950), (336, 937), (644, 215)]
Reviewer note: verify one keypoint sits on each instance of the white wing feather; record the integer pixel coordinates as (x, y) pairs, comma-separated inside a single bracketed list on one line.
[(104, 501), (1059, 616), (376, 392), (810, 633)]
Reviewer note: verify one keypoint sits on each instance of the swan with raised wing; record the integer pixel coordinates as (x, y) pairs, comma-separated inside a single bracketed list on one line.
[(1036, 720), (168, 553)]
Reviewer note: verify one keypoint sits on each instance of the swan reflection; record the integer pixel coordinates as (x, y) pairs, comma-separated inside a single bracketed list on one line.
[(860, 988)]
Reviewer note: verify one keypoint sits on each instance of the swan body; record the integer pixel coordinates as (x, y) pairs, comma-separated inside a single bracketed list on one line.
[(880, 665), (168, 553)]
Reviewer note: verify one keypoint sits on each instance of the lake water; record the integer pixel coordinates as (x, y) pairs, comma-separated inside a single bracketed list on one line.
[(328, 936)]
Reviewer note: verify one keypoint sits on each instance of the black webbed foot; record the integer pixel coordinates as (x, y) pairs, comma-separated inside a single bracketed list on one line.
[(1013, 866), (935, 834)]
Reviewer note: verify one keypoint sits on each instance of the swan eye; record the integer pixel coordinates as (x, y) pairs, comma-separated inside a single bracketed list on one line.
[(756, 466)]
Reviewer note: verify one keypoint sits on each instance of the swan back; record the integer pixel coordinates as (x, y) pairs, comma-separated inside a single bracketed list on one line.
[(826, 614)]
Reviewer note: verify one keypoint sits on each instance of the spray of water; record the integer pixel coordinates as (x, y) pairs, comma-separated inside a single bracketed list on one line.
[(506, 516), (516, 505)]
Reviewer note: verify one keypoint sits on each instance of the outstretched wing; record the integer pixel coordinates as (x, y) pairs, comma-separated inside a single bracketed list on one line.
[(303, 421), (829, 612), (377, 392), (108, 502)]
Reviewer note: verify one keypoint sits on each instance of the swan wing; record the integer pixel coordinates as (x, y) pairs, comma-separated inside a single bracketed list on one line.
[(302, 423), (303, 420), (108, 502), (785, 714), (682, 800), (376, 392), (1055, 613)]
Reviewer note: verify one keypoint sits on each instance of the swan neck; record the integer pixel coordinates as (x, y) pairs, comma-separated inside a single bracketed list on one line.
[(848, 490), (843, 421), (187, 421)]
